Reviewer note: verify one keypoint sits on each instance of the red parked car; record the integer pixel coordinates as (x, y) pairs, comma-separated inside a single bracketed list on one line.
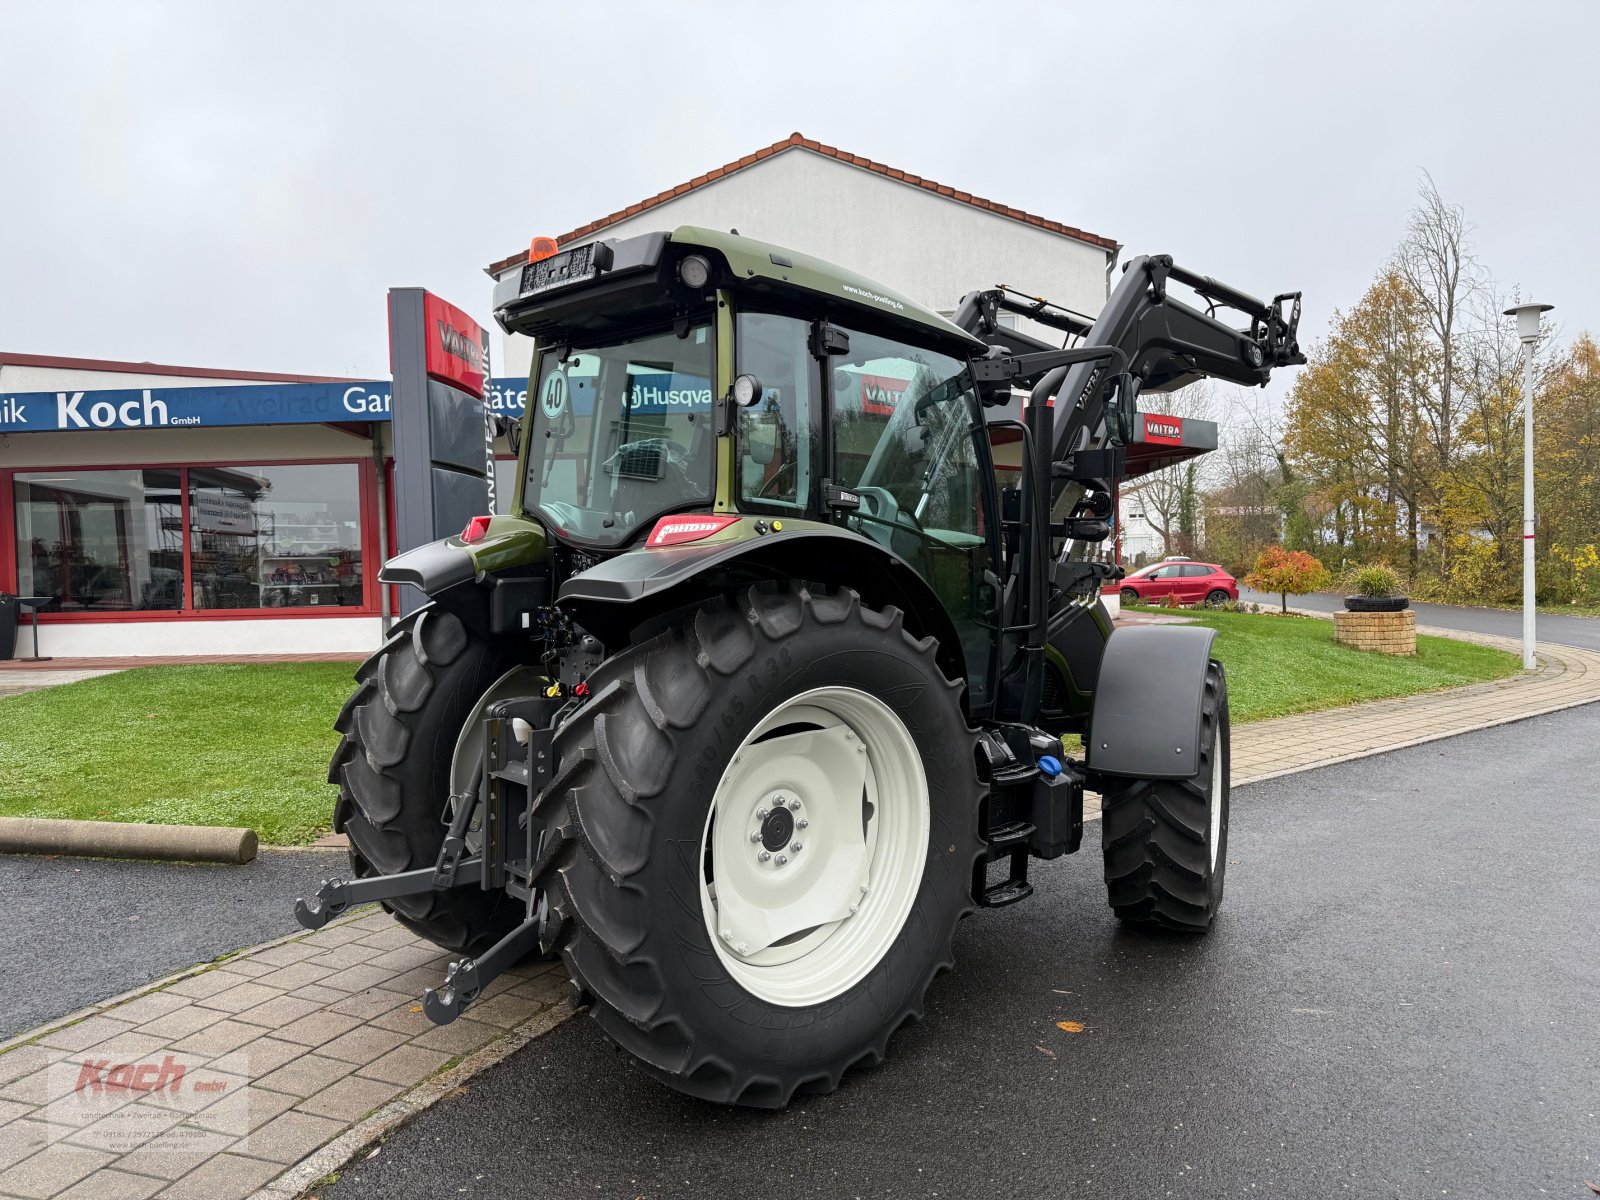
[(1190, 582)]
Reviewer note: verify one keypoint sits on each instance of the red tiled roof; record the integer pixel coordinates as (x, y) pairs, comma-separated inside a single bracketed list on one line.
[(145, 368), (797, 140)]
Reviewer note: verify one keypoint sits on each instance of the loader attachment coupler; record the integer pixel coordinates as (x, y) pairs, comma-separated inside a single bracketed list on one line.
[(517, 762)]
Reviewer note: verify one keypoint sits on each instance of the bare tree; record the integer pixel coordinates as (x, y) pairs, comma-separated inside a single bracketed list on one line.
[(1436, 260), (1163, 492)]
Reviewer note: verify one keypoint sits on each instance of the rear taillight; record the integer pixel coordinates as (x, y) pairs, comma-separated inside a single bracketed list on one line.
[(477, 529), (689, 527)]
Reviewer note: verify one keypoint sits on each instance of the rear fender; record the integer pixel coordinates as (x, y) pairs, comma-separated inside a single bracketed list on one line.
[(622, 594), (1145, 723)]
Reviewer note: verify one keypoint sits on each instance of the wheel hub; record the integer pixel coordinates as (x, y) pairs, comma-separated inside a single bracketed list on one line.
[(777, 830)]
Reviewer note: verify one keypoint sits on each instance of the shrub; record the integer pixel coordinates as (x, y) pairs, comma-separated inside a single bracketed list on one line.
[(1287, 572), (1376, 582)]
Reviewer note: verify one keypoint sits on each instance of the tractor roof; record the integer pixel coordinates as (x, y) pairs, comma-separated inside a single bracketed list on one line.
[(526, 301)]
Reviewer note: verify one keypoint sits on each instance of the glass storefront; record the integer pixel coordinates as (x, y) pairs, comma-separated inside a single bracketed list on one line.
[(197, 538), (100, 541), (275, 537)]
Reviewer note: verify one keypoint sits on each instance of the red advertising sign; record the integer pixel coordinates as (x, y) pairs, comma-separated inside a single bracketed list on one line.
[(1163, 431), (458, 347), (880, 394)]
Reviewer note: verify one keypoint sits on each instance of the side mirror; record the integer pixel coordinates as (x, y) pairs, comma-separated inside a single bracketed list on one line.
[(512, 429), (1122, 409), (758, 436)]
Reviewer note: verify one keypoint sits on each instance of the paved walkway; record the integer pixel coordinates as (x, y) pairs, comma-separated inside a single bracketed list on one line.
[(14, 682), (264, 1073), (217, 1081)]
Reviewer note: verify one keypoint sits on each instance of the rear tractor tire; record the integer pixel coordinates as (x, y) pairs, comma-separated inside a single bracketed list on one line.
[(767, 825), (402, 742), (1166, 840)]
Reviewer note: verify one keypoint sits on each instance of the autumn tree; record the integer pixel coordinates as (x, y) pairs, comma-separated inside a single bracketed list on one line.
[(1287, 572)]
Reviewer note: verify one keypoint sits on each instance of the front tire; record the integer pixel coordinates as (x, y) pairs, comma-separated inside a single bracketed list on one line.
[(1129, 596), (393, 770), (1165, 841), (777, 696)]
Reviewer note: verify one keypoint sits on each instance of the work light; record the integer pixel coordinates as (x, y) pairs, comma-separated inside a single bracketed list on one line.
[(694, 270)]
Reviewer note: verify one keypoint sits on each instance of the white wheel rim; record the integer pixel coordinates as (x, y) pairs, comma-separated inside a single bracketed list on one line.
[(848, 776), (1216, 798), (466, 763)]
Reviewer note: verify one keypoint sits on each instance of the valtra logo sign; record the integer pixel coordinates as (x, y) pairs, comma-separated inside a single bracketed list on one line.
[(458, 347), (880, 394), (1163, 431)]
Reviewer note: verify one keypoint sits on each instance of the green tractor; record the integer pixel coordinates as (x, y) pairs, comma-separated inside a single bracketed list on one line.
[(762, 686)]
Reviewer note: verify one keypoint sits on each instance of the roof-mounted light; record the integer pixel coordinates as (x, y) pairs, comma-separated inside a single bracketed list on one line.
[(695, 271), (477, 529), (541, 248)]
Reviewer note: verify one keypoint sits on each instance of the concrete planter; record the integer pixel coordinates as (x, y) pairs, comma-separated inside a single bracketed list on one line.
[(1381, 632)]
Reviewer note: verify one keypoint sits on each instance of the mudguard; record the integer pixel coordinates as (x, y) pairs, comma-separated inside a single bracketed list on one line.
[(622, 593), (1145, 723)]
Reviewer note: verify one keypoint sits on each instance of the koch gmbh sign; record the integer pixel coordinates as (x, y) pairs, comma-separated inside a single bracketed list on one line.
[(243, 404)]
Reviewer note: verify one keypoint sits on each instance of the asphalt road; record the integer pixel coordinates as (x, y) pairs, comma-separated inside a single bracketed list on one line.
[(1400, 999), (77, 931), (1583, 632)]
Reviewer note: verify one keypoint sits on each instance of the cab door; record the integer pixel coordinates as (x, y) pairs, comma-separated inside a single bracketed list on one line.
[(904, 432)]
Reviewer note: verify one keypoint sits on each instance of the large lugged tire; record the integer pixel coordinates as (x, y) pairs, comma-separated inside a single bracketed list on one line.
[(660, 762), (392, 769), (1166, 840)]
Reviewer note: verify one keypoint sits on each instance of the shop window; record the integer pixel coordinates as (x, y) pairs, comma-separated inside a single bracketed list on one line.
[(100, 541), (275, 537)]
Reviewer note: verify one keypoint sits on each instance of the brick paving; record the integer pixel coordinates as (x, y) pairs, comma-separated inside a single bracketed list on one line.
[(296, 1054), (220, 1080)]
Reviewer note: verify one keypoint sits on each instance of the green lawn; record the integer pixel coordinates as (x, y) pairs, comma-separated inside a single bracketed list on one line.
[(1280, 665), (200, 745), (249, 745)]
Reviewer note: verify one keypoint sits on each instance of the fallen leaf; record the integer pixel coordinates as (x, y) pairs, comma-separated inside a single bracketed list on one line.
[(1047, 1053), (1592, 1186), (416, 1008), (1070, 1026)]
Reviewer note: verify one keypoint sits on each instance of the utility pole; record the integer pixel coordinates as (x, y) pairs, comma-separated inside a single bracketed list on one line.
[(1527, 316)]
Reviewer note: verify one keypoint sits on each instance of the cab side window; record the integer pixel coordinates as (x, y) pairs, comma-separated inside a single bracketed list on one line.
[(778, 455)]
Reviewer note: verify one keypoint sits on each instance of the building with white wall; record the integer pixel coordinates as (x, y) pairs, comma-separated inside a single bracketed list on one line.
[(927, 240)]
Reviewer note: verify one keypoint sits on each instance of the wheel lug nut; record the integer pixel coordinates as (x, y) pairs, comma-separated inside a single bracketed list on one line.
[(761, 814), (727, 935), (756, 836), (763, 856), (797, 847), (782, 859), (794, 804), (744, 947), (803, 823)]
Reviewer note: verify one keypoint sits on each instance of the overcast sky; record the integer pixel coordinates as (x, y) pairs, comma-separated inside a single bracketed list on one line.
[(238, 185)]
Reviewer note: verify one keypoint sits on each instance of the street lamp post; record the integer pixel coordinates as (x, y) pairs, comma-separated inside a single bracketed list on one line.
[(1527, 316)]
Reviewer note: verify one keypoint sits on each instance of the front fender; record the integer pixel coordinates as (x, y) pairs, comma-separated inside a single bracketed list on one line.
[(1145, 723), (490, 583)]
